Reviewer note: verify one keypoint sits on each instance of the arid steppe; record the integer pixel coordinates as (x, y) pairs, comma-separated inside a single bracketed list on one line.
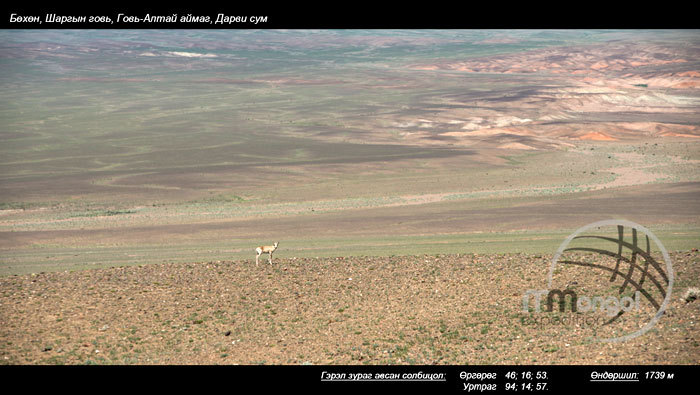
[(418, 183)]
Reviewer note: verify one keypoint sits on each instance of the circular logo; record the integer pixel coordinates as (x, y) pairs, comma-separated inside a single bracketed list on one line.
[(610, 270)]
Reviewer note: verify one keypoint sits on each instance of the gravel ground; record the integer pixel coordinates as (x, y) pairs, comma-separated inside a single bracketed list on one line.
[(444, 309)]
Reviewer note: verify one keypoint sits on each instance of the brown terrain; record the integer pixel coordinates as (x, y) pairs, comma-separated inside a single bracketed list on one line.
[(432, 309)]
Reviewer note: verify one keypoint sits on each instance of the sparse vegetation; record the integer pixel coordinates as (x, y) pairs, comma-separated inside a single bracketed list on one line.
[(429, 317), (416, 185), (102, 213)]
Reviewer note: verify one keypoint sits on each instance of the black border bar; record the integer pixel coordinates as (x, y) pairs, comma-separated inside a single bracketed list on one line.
[(473, 15), (333, 378)]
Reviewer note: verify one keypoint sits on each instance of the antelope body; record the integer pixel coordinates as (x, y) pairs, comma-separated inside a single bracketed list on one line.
[(265, 250)]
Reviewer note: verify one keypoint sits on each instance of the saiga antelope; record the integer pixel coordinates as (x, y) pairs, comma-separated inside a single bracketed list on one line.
[(265, 250)]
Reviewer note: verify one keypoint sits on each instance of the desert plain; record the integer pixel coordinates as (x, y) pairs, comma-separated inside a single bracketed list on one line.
[(418, 183)]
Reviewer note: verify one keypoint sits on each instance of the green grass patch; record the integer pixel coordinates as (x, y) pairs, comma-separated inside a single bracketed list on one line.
[(102, 213), (18, 205), (46, 258), (221, 198)]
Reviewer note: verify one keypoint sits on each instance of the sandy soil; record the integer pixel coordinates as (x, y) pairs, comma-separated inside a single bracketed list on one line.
[(562, 90), (592, 60), (653, 204)]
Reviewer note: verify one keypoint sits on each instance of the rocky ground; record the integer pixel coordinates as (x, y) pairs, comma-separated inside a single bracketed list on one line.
[(444, 309)]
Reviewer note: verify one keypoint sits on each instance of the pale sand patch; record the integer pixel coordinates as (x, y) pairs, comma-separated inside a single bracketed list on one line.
[(456, 134), (633, 173), (629, 176), (508, 121), (472, 126), (192, 54), (480, 132), (686, 85), (517, 146), (671, 134), (643, 126), (425, 68), (598, 136), (692, 74), (599, 65), (668, 130)]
